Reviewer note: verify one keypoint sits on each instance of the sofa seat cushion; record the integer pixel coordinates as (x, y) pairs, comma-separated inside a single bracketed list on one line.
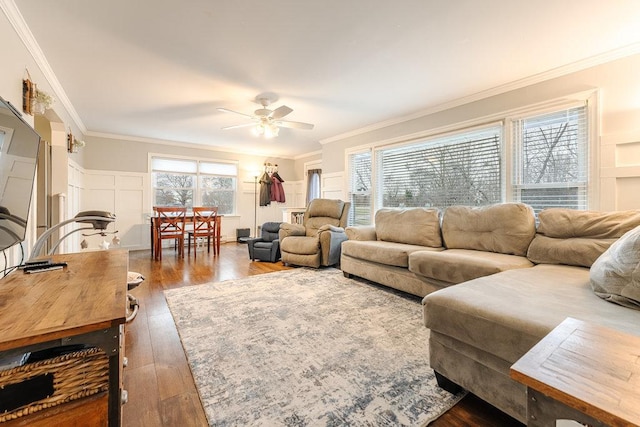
[(460, 265), (301, 245), (387, 253), (264, 245), (505, 314)]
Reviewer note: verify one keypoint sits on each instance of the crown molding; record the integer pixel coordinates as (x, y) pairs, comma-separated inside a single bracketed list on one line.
[(193, 145), (609, 56), (20, 26), (305, 155)]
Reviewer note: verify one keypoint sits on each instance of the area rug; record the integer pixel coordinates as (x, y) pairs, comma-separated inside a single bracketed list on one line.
[(307, 347)]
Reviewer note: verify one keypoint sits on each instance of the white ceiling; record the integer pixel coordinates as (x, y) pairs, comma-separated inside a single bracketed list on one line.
[(160, 69)]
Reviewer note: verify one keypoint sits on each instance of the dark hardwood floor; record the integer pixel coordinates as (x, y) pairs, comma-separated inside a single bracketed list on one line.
[(158, 379)]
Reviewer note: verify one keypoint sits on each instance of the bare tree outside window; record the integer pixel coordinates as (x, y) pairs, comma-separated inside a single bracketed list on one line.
[(360, 189), (218, 191), (191, 182), (173, 189), (466, 172), (553, 156)]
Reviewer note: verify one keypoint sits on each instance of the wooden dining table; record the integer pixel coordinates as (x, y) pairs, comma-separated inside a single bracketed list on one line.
[(188, 218)]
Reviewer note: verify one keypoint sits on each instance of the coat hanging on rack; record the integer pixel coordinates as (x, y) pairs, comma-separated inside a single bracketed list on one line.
[(271, 189), (265, 189), (277, 191)]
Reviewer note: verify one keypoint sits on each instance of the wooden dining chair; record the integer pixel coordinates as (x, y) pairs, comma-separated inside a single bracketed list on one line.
[(204, 225), (169, 224)]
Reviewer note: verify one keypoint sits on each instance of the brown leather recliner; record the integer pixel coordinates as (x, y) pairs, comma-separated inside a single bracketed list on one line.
[(316, 242)]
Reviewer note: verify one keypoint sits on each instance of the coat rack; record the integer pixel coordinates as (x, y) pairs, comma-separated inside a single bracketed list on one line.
[(269, 168)]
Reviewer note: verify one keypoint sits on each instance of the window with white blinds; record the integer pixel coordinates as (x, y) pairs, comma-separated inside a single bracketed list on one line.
[(360, 185), (464, 168), (551, 159), (193, 182), (547, 166)]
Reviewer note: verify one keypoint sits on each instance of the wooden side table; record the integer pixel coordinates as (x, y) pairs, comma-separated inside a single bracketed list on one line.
[(582, 372)]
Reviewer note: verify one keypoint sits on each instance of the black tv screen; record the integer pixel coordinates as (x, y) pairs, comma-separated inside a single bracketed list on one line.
[(19, 145)]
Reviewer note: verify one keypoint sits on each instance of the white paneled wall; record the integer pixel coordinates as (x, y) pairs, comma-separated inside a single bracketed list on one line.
[(620, 172), (122, 193), (332, 186)]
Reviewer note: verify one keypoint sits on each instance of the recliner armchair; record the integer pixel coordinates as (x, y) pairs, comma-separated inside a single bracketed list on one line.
[(316, 242), (267, 247)]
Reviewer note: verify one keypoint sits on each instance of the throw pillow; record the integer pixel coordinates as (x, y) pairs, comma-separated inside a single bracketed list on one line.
[(615, 275)]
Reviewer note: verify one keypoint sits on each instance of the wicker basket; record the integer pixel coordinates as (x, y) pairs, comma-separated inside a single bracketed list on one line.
[(75, 375)]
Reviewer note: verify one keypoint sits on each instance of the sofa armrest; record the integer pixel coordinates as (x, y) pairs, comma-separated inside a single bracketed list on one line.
[(287, 230), (331, 239), (361, 232), (250, 245)]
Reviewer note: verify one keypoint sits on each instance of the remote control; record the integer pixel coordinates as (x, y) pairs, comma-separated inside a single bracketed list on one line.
[(43, 269), (46, 266)]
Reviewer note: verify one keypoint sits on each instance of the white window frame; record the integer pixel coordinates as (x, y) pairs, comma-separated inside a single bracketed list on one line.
[(588, 98), (372, 192)]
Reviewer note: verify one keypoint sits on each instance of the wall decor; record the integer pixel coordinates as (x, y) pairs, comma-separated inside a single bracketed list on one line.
[(70, 141), (28, 93)]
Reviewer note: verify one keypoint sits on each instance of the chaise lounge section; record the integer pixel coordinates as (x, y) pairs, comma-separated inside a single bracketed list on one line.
[(479, 328)]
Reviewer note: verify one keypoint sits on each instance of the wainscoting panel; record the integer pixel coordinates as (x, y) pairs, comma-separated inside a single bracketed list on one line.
[(333, 186), (620, 171), (121, 193)]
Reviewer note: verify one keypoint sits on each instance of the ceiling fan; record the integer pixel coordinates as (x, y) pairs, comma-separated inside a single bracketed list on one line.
[(267, 122)]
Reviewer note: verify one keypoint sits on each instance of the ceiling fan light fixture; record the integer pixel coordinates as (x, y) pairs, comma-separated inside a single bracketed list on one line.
[(271, 131), (267, 122), (258, 130)]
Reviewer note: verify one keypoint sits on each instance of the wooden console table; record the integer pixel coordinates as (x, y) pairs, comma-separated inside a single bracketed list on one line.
[(582, 372), (85, 303)]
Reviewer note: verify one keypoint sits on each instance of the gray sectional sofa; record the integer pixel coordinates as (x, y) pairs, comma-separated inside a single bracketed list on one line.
[(514, 282)]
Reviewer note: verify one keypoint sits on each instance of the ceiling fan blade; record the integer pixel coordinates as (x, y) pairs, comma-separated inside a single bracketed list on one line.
[(226, 110), (294, 125), (238, 126), (280, 112)]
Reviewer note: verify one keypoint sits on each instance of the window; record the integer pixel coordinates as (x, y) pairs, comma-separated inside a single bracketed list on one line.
[(547, 166), (550, 159), (313, 184), (360, 188), (458, 169), (190, 182)]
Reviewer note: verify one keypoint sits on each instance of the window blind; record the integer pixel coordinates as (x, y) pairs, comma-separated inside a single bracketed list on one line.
[(551, 159), (360, 188), (456, 169), (192, 182)]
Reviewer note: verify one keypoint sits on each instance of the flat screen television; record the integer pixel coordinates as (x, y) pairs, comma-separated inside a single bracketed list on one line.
[(19, 145)]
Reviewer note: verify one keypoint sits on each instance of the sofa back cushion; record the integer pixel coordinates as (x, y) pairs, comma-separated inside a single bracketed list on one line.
[(324, 212), (572, 237), (414, 226), (270, 231), (505, 228)]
